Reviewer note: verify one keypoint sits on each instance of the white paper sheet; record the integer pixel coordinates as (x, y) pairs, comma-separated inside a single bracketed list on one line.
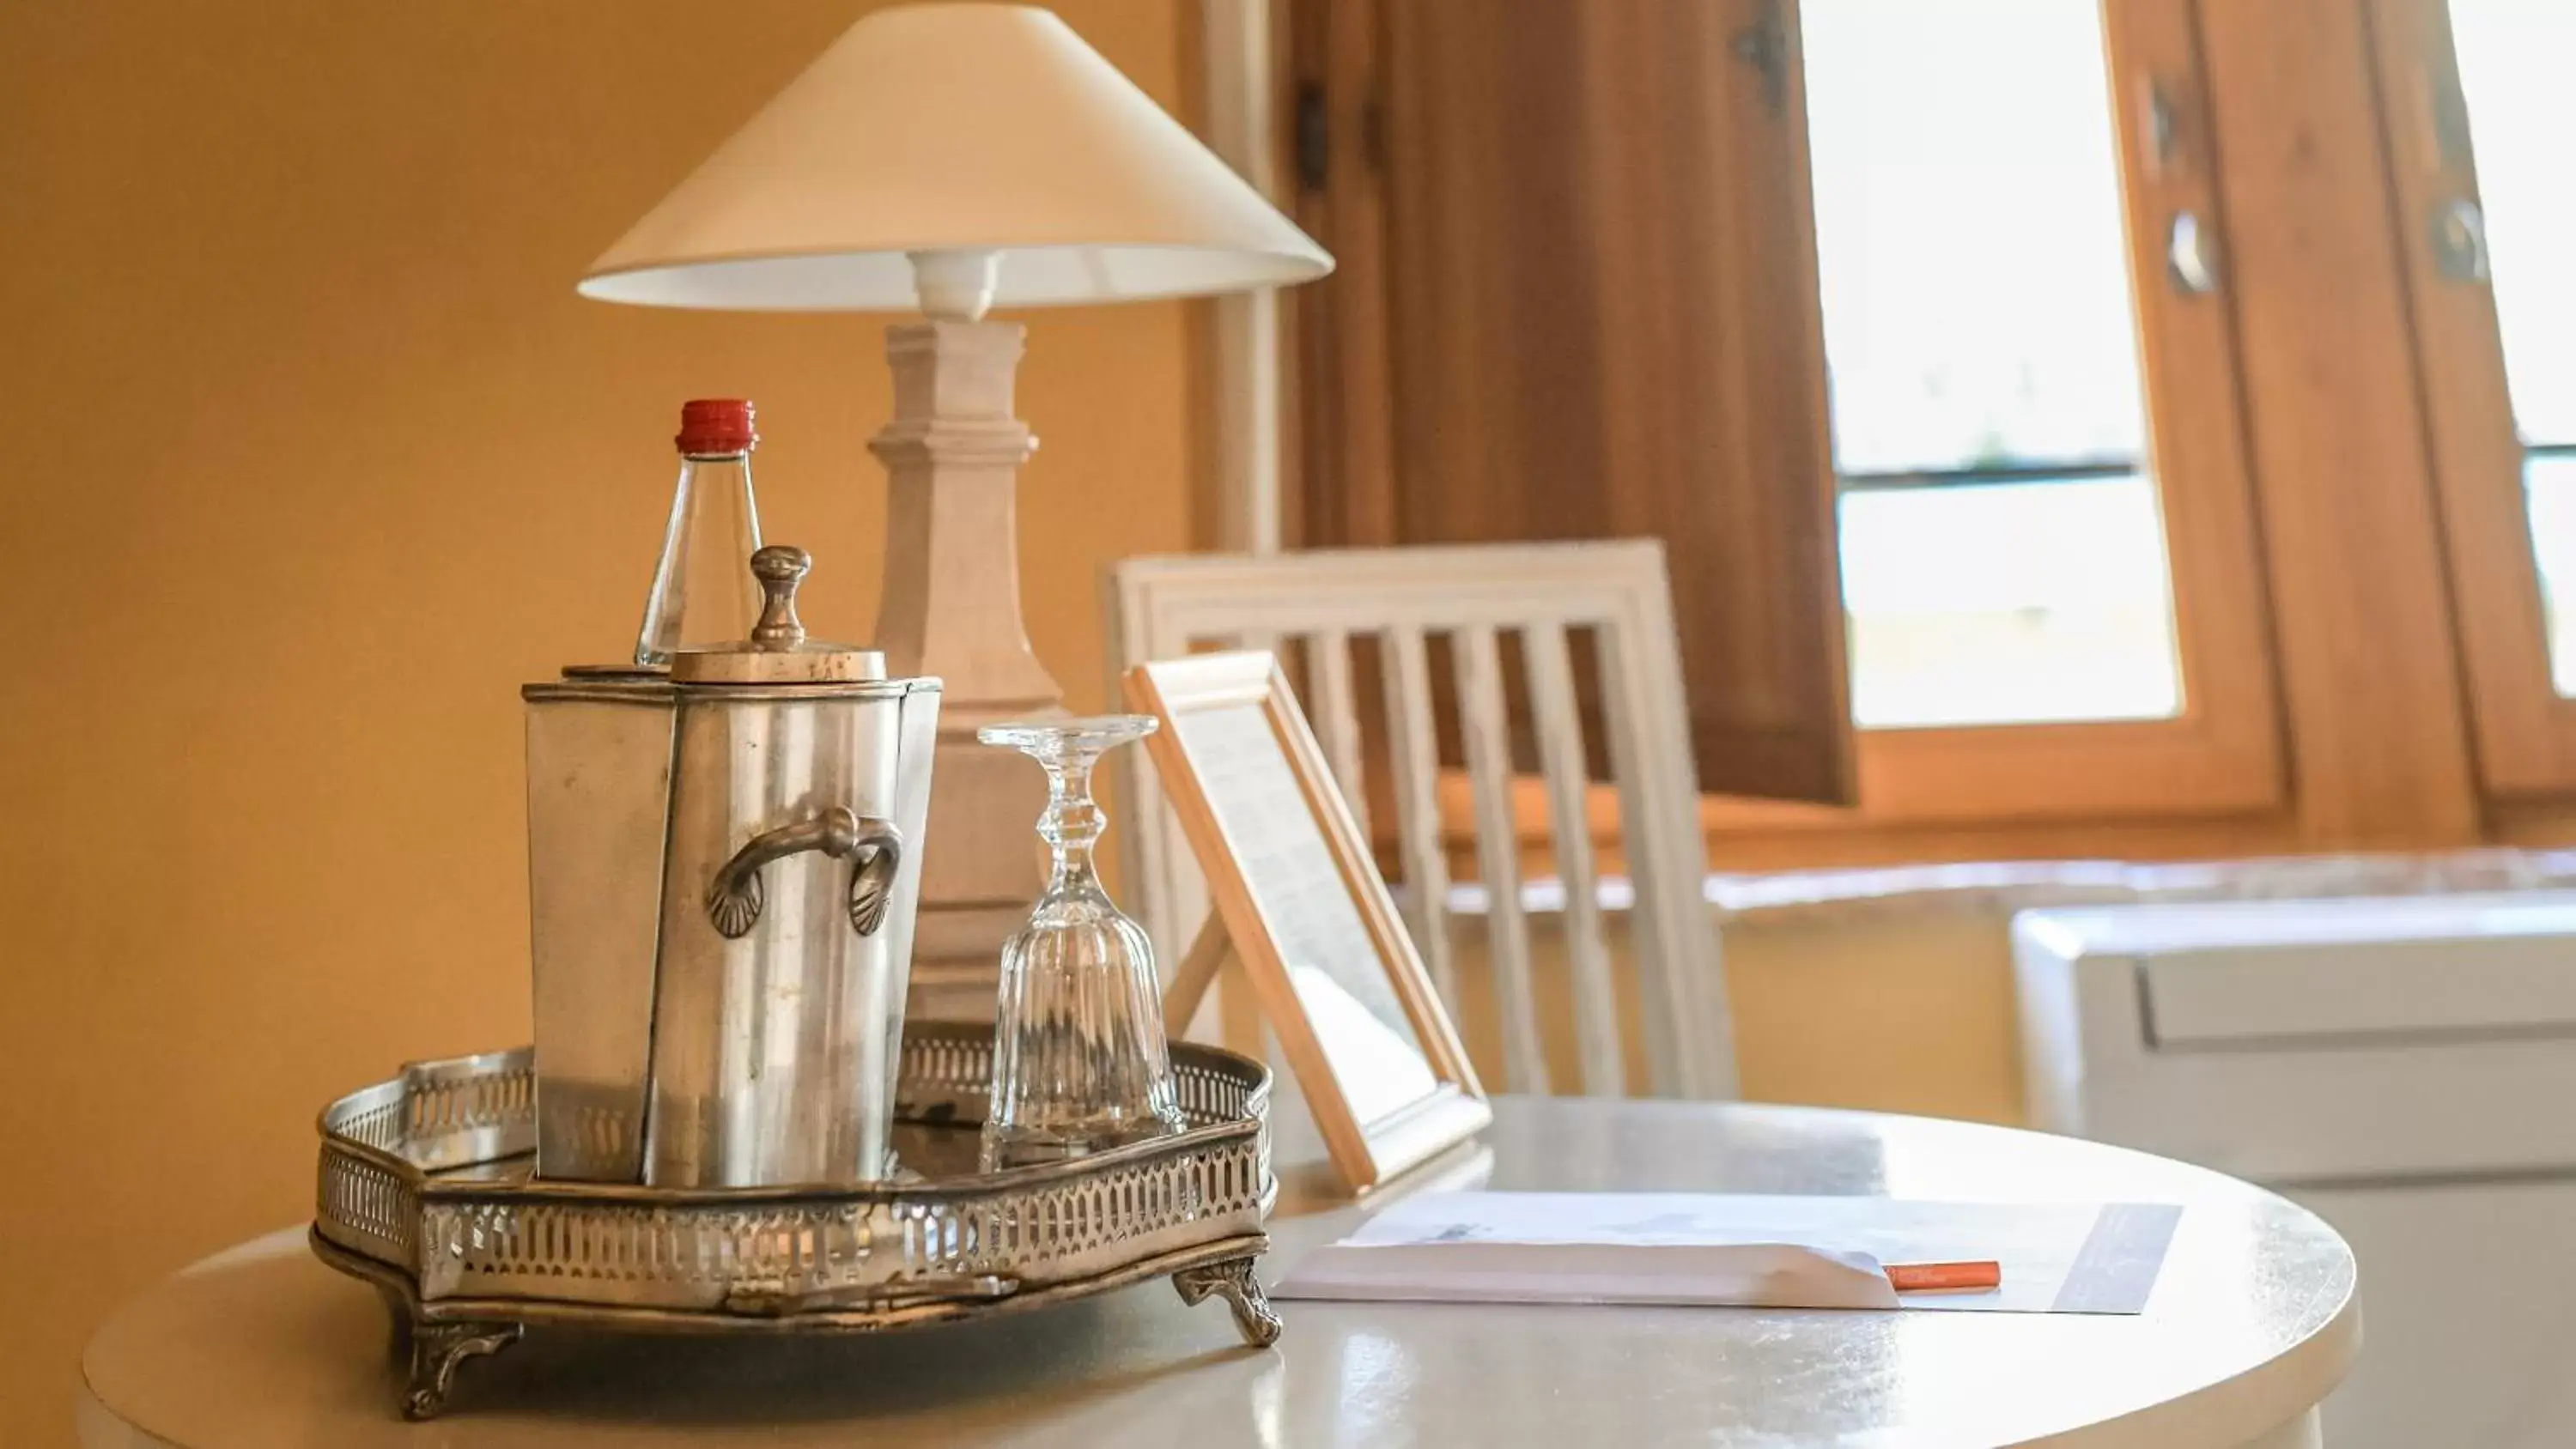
[(1752, 1251)]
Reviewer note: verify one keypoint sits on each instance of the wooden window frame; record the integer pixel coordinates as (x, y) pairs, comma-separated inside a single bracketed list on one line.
[(2221, 755), (2524, 729)]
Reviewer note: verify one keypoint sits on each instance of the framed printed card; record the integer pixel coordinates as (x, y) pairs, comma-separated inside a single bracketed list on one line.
[(1299, 903)]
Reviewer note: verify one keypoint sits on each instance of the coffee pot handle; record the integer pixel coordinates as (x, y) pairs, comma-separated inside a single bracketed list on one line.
[(873, 846)]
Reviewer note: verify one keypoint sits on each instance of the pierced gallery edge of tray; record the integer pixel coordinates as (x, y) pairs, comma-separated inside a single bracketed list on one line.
[(425, 1190)]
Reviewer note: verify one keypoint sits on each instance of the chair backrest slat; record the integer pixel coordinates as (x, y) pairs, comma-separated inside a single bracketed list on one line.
[(1413, 769), (1333, 709), (1479, 662), (1560, 754), (1667, 855), (1318, 604)]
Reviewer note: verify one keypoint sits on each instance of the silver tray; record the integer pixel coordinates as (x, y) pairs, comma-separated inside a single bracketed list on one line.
[(425, 1191)]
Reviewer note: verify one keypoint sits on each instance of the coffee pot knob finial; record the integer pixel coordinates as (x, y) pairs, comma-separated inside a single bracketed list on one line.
[(780, 568)]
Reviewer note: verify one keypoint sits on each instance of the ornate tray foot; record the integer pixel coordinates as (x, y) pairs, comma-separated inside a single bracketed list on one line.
[(1233, 1279), (436, 1350)]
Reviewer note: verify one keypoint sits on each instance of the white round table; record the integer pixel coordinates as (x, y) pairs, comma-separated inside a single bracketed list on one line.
[(2254, 1319)]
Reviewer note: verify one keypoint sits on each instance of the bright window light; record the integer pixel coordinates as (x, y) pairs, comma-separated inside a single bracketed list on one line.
[(2003, 559)]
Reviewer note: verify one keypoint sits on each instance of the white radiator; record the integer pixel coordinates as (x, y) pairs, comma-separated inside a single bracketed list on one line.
[(2406, 1067)]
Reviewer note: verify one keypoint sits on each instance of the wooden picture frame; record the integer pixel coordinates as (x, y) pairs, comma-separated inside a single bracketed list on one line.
[(1300, 905)]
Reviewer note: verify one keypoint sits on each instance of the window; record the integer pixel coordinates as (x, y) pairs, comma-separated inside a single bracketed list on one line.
[(2477, 127), (2003, 559), (2047, 536), (2513, 58)]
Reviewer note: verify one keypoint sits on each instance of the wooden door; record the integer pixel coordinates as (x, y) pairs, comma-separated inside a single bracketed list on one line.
[(1578, 299)]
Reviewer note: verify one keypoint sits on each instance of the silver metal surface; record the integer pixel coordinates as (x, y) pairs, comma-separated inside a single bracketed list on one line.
[(723, 867), (873, 846), (2164, 123), (1763, 45), (425, 1190), (774, 1050), (2190, 258), (2460, 240), (599, 772), (779, 570), (777, 651)]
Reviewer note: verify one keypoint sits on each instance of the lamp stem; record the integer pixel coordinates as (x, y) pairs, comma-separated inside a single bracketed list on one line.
[(951, 608), (955, 284)]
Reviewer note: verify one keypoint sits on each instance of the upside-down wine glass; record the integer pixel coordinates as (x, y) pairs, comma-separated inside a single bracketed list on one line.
[(1079, 1058)]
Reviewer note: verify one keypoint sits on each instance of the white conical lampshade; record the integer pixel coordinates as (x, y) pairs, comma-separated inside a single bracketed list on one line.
[(955, 128)]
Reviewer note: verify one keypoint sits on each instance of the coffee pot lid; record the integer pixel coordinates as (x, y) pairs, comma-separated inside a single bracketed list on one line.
[(777, 651)]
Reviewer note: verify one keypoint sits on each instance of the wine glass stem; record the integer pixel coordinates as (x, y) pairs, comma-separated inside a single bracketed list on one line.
[(1072, 823)]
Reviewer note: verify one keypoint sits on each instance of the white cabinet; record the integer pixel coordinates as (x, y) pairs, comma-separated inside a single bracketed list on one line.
[(2468, 1333), (2406, 1067)]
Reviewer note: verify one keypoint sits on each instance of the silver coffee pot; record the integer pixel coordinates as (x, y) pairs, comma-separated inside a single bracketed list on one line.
[(723, 862)]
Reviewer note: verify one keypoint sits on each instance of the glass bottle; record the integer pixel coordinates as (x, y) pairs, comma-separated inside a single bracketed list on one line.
[(702, 593), (1080, 1063)]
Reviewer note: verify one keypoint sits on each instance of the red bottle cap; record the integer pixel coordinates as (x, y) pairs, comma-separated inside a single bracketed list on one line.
[(716, 426)]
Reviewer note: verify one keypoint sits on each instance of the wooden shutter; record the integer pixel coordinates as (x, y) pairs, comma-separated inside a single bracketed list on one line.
[(1578, 299)]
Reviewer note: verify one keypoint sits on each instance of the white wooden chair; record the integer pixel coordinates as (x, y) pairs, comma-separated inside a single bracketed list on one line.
[(1311, 606)]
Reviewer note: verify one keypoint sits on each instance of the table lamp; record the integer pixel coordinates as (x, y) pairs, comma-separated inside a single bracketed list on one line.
[(949, 159)]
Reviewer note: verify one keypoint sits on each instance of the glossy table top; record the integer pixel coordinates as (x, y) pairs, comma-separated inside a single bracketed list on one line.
[(2254, 1319)]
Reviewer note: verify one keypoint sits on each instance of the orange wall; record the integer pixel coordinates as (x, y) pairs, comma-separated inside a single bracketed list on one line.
[(1908, 1011), (317, 457)]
